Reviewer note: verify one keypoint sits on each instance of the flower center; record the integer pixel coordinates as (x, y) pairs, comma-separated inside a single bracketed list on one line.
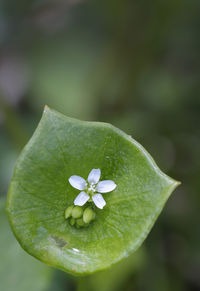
[(91, 188)]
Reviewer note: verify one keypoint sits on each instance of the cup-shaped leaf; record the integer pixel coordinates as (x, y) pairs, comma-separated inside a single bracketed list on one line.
[(40, 192)]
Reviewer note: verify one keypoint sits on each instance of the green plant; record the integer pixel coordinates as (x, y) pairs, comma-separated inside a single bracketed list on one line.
[(40, 193)]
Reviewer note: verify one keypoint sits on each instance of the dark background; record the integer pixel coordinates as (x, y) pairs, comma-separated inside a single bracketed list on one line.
[(134, 64)]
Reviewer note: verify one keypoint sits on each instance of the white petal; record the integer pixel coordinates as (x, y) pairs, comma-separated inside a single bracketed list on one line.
[(94, 176), (106, 186), (81, 199), (77, 182), (98, 200)]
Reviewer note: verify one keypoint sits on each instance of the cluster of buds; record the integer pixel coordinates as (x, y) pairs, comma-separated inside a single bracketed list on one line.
[(79, 216)]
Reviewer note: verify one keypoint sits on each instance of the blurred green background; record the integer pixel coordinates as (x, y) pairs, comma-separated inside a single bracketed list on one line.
[(135, 64)]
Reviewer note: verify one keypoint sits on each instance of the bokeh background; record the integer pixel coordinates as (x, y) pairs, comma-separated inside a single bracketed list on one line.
[(135, 64)]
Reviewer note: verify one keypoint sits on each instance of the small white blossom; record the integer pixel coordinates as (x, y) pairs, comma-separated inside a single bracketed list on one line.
[(91, 189)]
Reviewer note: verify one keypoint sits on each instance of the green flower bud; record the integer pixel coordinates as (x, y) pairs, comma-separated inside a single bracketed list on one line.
[(68, 211), (88, 215), (77, 212), (80, 222), (72, 221)]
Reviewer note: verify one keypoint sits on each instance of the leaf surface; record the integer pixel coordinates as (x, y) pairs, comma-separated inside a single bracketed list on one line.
[(39, 193)]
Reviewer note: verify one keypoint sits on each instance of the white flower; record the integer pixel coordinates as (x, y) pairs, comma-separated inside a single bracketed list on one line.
[(91, 189)]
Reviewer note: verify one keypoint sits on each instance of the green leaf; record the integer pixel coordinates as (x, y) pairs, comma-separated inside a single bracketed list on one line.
[(18, 270), (39, 194)]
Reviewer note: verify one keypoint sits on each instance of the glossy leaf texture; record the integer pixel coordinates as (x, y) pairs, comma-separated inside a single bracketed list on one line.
[(39, 193), (18, 270)]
